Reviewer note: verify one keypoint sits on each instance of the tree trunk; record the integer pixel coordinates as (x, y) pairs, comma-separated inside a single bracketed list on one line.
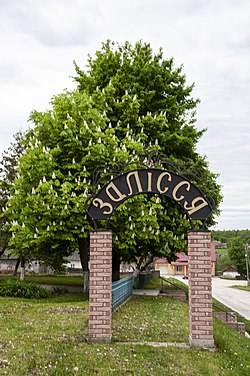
[(17, 266), (22, 274), (2, 251), (84, 257), (115, 267), (139, 264), (147, 263), (140, 267)]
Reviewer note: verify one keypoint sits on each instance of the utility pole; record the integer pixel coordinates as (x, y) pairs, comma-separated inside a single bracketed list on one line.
[(247, 264)]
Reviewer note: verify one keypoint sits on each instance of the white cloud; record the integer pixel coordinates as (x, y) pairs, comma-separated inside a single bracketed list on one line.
[(51, 23), (40, 40)]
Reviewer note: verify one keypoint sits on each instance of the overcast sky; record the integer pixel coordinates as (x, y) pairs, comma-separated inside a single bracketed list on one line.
[(40, 40)]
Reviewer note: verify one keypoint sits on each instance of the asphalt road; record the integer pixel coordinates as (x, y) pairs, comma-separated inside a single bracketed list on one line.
[(237, 300)]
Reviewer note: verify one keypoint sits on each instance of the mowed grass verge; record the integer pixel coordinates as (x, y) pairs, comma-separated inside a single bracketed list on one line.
[(47, 337), (245, 288), (50, 279)]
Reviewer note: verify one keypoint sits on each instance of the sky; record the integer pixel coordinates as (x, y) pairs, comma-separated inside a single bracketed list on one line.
[(211, 39)]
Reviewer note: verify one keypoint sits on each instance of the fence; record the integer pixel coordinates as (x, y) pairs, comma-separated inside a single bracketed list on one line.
[(121, 291), (141, 281)]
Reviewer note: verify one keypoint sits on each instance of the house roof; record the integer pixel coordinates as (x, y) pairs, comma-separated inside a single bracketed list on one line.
[(162, 260), (230, 269), (182, 258)]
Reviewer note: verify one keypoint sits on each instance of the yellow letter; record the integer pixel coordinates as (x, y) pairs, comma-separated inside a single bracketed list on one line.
[(99, 203), (176, 189), (159, 182), (149, 181), (193, 208), (119, 197), (136, 176)]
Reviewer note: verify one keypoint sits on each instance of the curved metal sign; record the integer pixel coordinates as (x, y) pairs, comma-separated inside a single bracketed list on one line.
[(161, 182)]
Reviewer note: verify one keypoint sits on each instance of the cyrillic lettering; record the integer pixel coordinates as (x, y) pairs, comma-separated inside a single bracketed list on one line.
[(138, 183), (98, 203), (178, 186), (159, 180), (119, 197), (194, 208), (149, 181)]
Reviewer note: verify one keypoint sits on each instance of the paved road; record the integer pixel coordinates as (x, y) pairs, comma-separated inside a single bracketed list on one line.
[(237, 300)]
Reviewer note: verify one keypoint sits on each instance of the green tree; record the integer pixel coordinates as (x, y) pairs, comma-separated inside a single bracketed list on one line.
[(225, 235), (236, 252), (165, 118), (62, 150), (165, 109), (8, 164), (129, 102), (223, 262)]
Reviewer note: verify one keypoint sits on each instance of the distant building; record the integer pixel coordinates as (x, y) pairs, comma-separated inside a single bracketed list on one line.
[(74, 263), (230, 272), (180, 266), (220, 245), (8, 263)]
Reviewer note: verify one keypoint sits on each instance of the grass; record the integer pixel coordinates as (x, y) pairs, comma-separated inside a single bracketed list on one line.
[(147, 321), (217, 306), (54, 279), (166, 284), (47, 337), (153, 284), (246, 288), (221, 251)]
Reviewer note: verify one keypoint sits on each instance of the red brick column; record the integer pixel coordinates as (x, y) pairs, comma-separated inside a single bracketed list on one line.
[(200, 289), (100, 286)]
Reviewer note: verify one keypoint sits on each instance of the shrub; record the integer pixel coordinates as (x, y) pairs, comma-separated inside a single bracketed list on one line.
[(19, 289)]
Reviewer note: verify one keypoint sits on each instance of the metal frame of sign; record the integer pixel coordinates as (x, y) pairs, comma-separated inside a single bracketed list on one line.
[(176, 187)]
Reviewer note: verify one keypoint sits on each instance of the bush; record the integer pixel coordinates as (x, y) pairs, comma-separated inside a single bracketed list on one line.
[(19, 289)]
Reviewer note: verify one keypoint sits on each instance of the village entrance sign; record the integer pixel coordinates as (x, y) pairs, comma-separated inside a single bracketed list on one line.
[(153, 180), (196, 205)]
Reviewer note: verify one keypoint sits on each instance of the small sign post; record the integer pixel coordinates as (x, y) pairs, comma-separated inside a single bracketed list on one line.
[(247, 264)]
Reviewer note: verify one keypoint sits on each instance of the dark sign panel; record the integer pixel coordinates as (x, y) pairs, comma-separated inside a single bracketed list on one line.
[(161, 182)]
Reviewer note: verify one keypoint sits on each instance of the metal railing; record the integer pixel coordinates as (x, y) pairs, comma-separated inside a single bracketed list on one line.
[(121, 291), (166, 283)]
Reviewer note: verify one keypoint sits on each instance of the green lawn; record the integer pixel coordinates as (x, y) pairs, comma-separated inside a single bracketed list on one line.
[(47, 337), (54, 279), (166, 284), (156, 282), (152, 319), (246, 288), (221, 251)]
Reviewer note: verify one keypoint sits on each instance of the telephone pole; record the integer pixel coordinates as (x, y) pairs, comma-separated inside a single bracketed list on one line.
[(247, 264)]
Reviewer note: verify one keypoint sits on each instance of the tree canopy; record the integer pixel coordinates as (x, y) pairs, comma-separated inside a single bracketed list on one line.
[(224, 236), (8, 164), (236, 253), (129, 102)]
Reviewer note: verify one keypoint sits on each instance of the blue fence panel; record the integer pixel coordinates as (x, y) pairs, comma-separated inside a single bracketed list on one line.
[(121, 291)]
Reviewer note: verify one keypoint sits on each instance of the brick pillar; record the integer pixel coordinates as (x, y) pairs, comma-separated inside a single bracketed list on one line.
[(200, 289), (100, 286)]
